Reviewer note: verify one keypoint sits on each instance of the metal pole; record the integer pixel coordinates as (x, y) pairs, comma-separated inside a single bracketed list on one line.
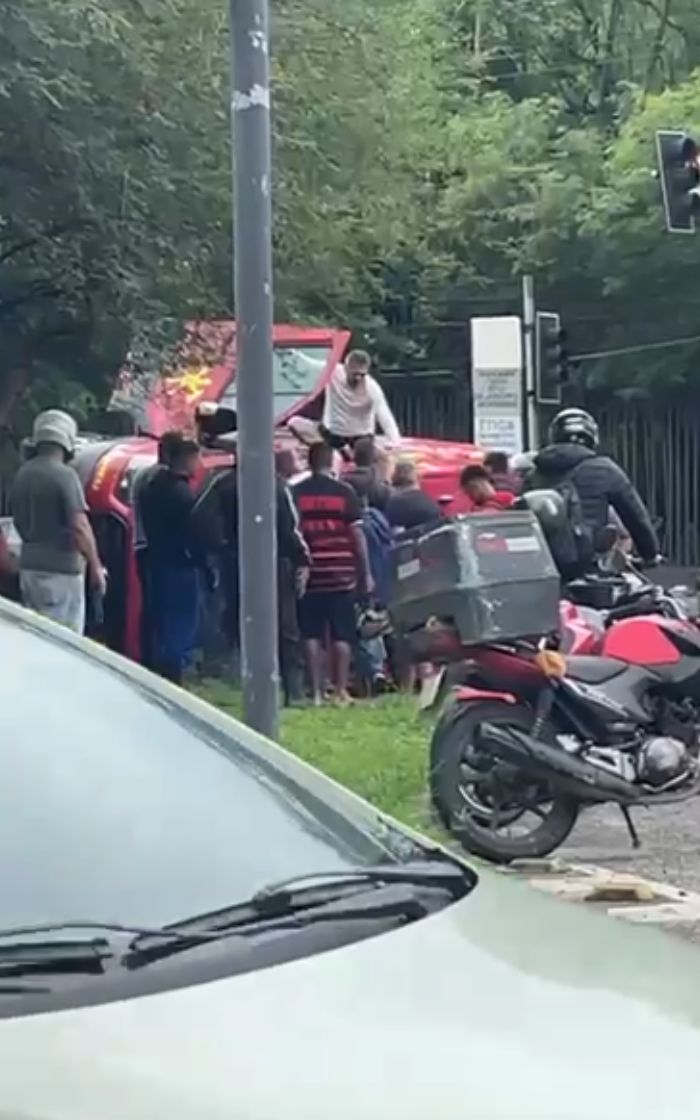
[(530, 424), (252, 251)]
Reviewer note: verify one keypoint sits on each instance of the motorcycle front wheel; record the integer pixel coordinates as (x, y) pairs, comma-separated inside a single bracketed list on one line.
[(495, 810)]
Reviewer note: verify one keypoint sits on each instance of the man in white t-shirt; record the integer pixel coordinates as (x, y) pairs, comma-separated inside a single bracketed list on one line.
[(354, 406)]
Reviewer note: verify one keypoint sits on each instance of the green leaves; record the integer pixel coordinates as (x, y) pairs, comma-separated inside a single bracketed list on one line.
[(426, 152)]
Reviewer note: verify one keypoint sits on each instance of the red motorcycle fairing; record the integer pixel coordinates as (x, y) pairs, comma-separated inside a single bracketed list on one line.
[(467, 694), (506, 669), (581, 629), (643, 641)]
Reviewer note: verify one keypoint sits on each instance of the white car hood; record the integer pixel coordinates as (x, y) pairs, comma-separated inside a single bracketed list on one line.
[(506, 1006)]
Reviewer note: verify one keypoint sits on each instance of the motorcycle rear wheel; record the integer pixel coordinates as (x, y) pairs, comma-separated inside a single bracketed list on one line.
[(460, 775)]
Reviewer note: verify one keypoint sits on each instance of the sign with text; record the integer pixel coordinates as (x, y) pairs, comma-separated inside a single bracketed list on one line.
[(497, 373)]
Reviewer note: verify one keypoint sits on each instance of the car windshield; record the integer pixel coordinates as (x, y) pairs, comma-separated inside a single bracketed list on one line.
[(117, 804), (297, 371)]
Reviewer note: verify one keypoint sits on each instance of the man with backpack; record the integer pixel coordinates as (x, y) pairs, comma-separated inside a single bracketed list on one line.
[(590, 484)]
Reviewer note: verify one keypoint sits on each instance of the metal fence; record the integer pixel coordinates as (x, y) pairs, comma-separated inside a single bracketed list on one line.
[(435, 405), (660, 450), (659, 447)]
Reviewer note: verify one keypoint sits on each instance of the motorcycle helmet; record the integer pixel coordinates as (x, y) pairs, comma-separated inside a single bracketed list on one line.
[(57, 427), (574, 425), (548, 507)]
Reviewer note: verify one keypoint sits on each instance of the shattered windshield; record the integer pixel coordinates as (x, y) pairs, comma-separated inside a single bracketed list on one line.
[(296, 372)]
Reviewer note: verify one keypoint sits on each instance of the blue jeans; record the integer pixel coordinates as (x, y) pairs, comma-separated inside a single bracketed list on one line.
[(371, 657), (175, 615)]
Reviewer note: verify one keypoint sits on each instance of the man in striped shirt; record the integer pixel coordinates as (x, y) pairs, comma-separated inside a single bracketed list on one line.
[(330, 518)]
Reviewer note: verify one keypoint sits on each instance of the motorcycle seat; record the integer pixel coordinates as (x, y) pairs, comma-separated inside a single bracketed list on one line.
[(594, 670)]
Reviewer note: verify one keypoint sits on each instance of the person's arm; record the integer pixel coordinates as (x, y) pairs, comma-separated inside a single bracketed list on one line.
[(87, 547), (290, 543), (328, 410), (207, 526), (83, 535), (353, 516), (634, 515), (362, 555), (384, 415)]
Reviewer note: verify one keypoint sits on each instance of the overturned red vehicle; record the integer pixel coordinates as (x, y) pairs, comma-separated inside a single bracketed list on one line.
[(204, 372)]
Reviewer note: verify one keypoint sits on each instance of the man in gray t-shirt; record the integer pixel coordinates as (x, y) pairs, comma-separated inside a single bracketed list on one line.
[(50, 513)]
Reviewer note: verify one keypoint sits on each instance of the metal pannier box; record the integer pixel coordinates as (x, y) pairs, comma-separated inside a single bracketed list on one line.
[(490, 577)]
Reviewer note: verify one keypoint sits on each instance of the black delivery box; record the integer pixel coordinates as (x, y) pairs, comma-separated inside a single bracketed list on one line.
[(491, 576)]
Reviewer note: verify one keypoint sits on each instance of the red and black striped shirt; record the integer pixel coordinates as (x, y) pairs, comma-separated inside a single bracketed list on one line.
[(327, 511)]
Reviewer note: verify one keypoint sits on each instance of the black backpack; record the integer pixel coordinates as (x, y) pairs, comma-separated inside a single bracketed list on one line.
[(571, 546)]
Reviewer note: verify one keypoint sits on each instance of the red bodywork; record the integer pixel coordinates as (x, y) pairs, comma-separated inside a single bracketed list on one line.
[(469, 695), (642, 641), (637, 641), (581, 633), (204, 371)]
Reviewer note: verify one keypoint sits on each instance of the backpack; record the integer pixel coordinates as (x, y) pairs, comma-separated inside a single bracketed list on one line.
[(571, 546), (379, 540)]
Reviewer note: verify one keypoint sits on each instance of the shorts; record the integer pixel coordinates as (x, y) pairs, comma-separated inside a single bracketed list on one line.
[(56, 595), (338, 442), (322, 612)]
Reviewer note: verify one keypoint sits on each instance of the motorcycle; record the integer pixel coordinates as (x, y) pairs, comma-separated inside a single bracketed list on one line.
[(612, 593), (531, 736)]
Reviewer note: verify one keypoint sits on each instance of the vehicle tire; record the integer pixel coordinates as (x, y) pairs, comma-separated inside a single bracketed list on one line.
[(454, 760)]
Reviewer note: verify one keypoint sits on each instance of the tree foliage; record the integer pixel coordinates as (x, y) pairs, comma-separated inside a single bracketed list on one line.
[(427, 154)]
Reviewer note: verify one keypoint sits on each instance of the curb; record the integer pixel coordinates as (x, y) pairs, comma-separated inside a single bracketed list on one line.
[(620, 894)]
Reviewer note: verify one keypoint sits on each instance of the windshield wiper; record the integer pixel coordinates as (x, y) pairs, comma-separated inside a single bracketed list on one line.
[(322, 896), (21, 958), (446, 874), (22, 953), (303, 891)]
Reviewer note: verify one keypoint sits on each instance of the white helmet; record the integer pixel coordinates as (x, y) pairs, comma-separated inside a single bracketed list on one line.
[(55, 426), (523, 462)]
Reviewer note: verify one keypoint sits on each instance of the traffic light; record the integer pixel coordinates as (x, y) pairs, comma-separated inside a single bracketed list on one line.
[(552, 358), (678, 157)]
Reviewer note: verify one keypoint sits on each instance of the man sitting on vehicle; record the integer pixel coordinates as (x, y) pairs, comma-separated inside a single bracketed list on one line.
[(354, 406)]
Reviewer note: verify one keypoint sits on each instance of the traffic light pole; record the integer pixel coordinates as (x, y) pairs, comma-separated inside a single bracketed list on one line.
[(530, 425), (252, 252)]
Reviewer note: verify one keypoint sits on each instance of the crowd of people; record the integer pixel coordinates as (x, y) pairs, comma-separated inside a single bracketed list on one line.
[(337, 514), (334, 535)]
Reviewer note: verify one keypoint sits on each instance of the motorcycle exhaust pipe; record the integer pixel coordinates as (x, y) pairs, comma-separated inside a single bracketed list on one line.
[(569, 773)]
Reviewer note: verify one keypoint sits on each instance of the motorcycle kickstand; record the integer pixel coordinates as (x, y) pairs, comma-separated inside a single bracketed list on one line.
[(634, 835)]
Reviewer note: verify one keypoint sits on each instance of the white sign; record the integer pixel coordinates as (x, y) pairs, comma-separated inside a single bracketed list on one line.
[(498, 390), (498, 433), (497, 372)]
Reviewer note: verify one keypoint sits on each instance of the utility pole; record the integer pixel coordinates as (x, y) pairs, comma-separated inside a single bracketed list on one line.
[(530, 425), (252, 254)]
